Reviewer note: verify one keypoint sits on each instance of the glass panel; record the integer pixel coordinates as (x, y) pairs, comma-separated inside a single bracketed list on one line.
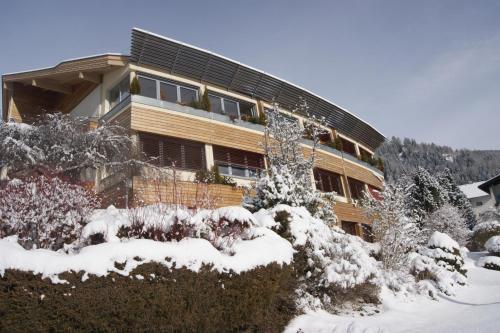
[(114, 97), (246, 110), (124, 88), (239, 171), (224, 170), (168, 92), (215, 104), (231, 108), (148, 87), (188, 96)]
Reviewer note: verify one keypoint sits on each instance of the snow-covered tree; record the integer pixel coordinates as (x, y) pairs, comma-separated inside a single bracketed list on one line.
[(44, 211), (60, 143), (445, 251), (456, 197), (397, 233), (424, 195), (447, 219), (492, 245), (289, 177)]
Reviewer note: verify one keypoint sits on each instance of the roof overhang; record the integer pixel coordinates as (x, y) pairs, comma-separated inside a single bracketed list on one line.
[(490, 182), (178, 58)]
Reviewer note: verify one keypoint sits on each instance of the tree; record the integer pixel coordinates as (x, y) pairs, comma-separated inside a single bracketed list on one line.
[(397, 233), (62, 144), (289, 177), (456, 197), (424, 195), (448, 220)]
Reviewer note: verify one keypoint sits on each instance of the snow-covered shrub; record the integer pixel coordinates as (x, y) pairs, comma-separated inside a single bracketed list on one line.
[(489, 262), (288, 179), (490, 214), (445, 251), (158, 222), (397, 234), (44, 211), (332, 267), (484, 231), (492, 245), (447, 219)]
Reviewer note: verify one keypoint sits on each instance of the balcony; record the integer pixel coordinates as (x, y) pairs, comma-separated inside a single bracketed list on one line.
[(152, 102)]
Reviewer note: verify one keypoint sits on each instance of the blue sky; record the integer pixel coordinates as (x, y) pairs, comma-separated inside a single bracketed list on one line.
[(429, 70)]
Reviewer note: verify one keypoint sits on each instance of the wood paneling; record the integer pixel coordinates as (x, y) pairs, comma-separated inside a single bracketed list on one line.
[(349, 212), (124, 118), (197, 129), (185, 193)]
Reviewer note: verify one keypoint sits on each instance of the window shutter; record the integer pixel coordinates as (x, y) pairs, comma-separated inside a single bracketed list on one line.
[(151, 148), (238, 157)]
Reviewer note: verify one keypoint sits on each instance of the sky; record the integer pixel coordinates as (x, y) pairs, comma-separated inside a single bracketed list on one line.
[(428, 70)]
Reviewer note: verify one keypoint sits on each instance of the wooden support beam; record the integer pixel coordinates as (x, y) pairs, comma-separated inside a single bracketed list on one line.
[(52, 86), (90, 77)]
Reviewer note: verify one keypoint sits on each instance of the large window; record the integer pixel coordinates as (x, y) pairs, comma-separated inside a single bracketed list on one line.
[(237, 163), (357, 188), (167, 151), (328, 181), (119, 92), (167, 90), (348, 147), (233, 108), (349, 227)]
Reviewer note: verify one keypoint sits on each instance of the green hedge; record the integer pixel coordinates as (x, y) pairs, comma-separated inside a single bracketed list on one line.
[(175, 300)]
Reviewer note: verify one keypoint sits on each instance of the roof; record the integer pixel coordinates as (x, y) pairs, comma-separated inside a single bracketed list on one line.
[(182, 59), (490, 182), (472, 190)]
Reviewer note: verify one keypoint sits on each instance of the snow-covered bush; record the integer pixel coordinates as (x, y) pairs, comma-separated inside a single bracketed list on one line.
[(440, 262), (445, 251), (492, 245), (332, 267), (288, 179), (397, 234), (45, 212), (489, 262), (484, 231), (447, 219)]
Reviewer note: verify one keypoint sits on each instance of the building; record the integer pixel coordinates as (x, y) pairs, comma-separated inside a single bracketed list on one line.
[(492, 187), (479, 199), (164, 117)]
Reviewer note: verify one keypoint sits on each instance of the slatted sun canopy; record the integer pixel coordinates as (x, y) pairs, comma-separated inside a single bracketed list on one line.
[(181, 59)]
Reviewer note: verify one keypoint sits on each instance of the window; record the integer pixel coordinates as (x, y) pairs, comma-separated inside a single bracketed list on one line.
[(119, 92), (168, 91), (357, 188), (349, 227), (348, 147), (479, 203), (328, 181), (365, 155), (167, 151), (238, 163), (148, 87), (234, 109)]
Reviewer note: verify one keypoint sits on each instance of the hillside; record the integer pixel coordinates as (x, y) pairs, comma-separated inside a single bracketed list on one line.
[(467, 166)]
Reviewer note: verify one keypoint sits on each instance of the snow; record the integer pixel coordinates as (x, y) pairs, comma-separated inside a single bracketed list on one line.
[(475, 308), (472, 190), (191, 253), (107, 222), (440, 240), (492, 245), (492, 260)]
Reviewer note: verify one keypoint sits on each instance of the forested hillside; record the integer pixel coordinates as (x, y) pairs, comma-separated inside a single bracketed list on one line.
[(466, 166)]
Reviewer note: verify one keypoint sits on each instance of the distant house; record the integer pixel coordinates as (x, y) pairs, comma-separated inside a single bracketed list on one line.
[(492, 186), (479, 199)]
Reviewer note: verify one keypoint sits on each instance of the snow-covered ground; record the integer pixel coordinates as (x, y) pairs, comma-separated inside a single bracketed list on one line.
[(475, 308)]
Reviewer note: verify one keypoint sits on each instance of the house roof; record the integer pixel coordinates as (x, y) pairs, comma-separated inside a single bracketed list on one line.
[(182, 59), (472, 190), (490, 182)]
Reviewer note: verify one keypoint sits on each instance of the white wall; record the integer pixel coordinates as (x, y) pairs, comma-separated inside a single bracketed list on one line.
[(90, 106)]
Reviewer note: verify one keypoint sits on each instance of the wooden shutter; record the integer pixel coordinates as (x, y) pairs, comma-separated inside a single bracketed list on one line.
[(233, 156)]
